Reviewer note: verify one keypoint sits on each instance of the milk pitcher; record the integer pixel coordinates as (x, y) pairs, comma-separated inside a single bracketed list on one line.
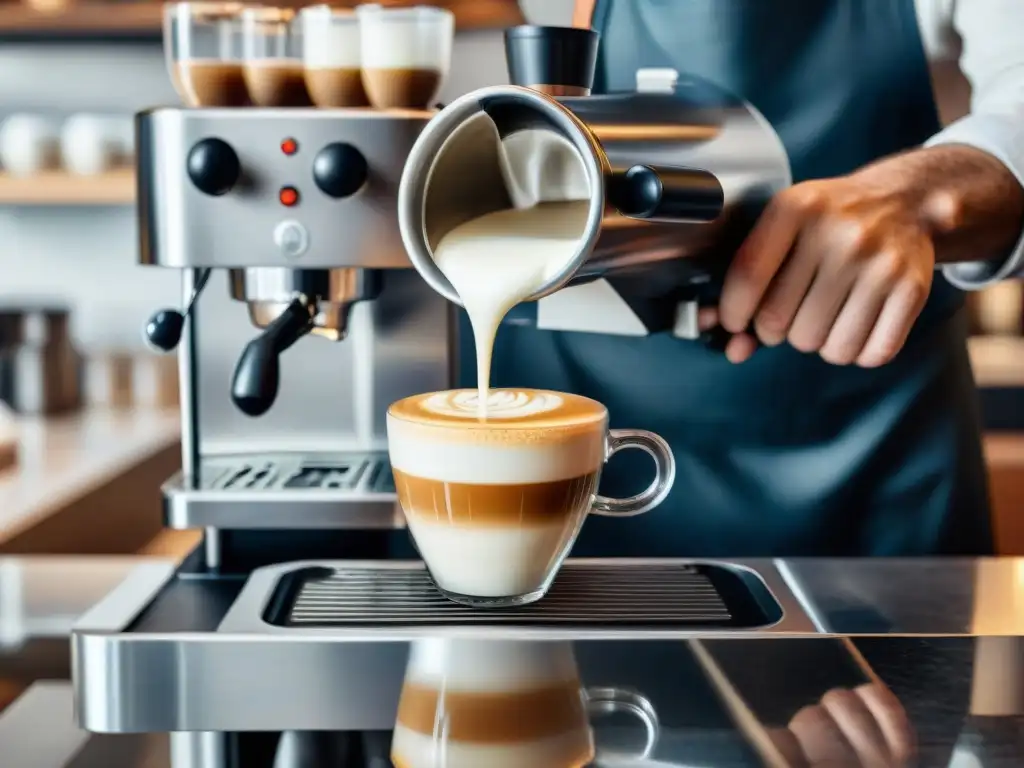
[(674, 173)]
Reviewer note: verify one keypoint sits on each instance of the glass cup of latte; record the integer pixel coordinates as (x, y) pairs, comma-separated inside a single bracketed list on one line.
[(506, 704), (271, 58), (331, 56), (494, 505), (406, 54), (203, 45)]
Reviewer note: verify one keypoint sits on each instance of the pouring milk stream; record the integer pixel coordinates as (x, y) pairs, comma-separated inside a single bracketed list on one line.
[(496, 261)]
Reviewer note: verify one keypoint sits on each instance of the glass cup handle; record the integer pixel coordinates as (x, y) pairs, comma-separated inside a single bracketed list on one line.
[(609, 701), (664, 475)]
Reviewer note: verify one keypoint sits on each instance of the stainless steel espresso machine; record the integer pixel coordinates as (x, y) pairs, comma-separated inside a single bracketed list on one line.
[(309, 325), (303, 320)]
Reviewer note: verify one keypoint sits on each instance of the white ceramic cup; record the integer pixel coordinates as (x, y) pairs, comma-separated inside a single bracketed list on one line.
[(29, 144), (93, 144)]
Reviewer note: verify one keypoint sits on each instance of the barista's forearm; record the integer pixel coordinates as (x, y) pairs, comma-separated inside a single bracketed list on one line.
[(970, 201)]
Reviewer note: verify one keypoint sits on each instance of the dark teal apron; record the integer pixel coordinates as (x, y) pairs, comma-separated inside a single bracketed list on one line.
[(785, 454)]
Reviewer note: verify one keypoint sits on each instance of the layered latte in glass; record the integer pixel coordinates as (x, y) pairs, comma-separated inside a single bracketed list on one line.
[(495, 504)]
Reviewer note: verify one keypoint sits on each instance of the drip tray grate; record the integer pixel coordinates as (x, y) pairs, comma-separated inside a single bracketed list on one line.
[(584, 595)]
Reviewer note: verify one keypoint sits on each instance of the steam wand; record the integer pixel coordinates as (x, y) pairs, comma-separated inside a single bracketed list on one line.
[(258, 373), (163, 331)]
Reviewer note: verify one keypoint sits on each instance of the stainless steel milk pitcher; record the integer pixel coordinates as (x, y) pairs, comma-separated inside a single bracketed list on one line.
[(674, 172)]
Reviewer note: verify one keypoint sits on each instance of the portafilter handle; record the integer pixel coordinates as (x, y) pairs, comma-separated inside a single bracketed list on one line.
[(163, 331), (258, 373)]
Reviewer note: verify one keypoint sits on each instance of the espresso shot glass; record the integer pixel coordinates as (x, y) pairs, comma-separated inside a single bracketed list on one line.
[(203, 47), (331, 57), (495, 504), (406, 54), (272, 60)]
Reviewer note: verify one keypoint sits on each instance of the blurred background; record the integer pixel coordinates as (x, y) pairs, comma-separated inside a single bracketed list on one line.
[(88, 422)]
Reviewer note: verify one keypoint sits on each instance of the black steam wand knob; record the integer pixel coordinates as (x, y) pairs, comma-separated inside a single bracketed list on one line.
[(163, 331), (258, 373)]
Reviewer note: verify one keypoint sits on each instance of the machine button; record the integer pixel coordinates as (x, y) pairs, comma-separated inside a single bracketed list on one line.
[(289, 146), (292, 238), (213, 167), (339, 170), (288, 196)]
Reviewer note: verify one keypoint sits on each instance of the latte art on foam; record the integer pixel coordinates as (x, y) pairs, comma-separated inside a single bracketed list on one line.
[(501, 404)]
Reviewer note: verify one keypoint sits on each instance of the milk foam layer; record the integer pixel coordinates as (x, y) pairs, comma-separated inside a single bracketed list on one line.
[(490, 665), (501, 403), (416, 750), (330, 38), (558, 444), (406, 38), (494, 562)]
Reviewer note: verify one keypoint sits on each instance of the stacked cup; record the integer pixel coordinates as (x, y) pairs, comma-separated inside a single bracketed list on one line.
[(406, 54), (273, 62), (331, 57), (203, 46), (225, 54)]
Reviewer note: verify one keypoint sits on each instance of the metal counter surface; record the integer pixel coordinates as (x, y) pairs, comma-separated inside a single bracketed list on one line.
[(925, 596), (720, 703)]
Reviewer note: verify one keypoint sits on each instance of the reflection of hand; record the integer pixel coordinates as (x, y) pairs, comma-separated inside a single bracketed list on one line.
[(866, 727)]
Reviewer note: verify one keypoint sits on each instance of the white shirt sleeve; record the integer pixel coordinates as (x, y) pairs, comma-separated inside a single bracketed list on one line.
[(992, 32)]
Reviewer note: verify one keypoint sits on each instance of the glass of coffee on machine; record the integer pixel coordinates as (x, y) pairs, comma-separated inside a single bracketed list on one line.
[(272, 60), (406, 54), (495, 504), (331, 56), (203, 45)]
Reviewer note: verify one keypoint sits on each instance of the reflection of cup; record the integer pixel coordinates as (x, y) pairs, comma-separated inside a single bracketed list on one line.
[(273, 67), (471, 703), (406, 53), (203, 44), (331, 58), (495, 505)]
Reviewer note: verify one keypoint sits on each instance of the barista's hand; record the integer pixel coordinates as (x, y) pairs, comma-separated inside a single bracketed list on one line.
[(863, 727), (842, 267)]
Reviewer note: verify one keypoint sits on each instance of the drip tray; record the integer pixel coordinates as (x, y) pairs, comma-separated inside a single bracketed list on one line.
[(587, 595)]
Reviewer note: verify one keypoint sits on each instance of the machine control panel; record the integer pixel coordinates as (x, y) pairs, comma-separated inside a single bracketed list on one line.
[(260, 187)]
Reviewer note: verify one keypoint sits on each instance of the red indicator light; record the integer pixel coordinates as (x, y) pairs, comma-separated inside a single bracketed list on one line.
[(288, 196), (289, 146)]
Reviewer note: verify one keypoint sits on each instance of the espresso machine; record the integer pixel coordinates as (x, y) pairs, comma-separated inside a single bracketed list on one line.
[(308, 325), (296, 232)]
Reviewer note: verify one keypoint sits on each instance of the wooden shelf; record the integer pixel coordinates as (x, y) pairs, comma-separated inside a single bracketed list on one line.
[(144, 19), (82, 19), (998, 361), (59, 188)]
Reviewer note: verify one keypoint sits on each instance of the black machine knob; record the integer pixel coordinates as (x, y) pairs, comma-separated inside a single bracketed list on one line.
[(339, 170), (213, 166), (258, 373), (164, 328), (676, 194)]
